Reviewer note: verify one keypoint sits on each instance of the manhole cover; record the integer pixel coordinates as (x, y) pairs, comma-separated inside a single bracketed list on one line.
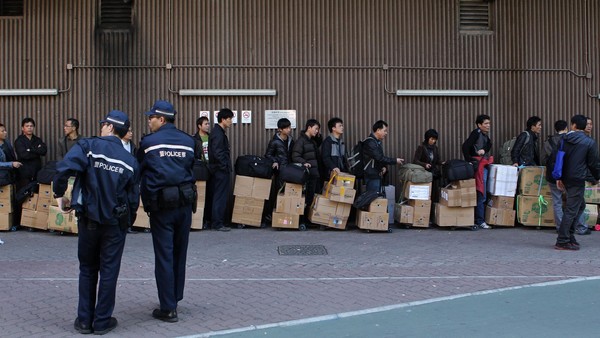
[(301, 250)]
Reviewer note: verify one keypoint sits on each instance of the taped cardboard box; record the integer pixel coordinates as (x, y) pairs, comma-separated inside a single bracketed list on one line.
[(454, 216), (378, 205), (340, 194), (497, 216), (403, 213), (6, 207), (450, 197), (535, 211), (417, 191), (421, 213), (198, 219), (287, 221), (372, 220), (247, 211), (45, 191), (201, 190), (532, 182), (590, 214), (324, 205), (6, 221), (592, 193), (502, 180), (30, 203), (6, 192), (463, 184), (344, 180), (43, 203), (290, 205), (318, 217), (468, 197), (34, 219), (292, 190), (59, 221), (254, 187), (142, 220), (337, 222), (501, 202)]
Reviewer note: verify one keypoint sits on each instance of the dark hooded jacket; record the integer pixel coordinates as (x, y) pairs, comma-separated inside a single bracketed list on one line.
[(279, 151), (525, 150), (581, 155), (305, 150)]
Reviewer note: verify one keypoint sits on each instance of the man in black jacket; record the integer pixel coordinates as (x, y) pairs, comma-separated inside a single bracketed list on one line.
[(333, 149), (219, 164), (525, 151), (29, 149), (376, 161), (581, 155), (306, 152), (279, 151)]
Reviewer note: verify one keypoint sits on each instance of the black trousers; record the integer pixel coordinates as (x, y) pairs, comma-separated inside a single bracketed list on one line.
[(220, 184), (573, 209)]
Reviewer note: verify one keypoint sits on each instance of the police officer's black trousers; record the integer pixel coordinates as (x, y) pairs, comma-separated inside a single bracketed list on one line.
[(220, 181), (100, 248), (170, 235)]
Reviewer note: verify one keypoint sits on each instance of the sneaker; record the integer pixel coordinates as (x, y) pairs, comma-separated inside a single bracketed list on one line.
[(484, 225), (584, 232), (566, 246)]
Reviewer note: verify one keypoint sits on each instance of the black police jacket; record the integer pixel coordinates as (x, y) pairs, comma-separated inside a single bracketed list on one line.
[(107, 176)]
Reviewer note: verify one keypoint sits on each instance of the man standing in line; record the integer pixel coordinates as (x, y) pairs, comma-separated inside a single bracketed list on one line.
[(581, 155), (333, 149), (202, 136), (105, 199), (65, 143), (219, 164), (306, 152), (29, 149), (279, 151), (376, 161), (169, 196)]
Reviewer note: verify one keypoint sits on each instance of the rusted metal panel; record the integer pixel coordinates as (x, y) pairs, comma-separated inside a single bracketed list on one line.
[(325, 58)]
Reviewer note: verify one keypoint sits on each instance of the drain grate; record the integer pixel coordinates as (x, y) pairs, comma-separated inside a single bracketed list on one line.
[(301, 250)]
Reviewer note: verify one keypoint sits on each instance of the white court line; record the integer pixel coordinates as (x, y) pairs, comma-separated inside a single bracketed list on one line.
[(304, 279), (382, 308)]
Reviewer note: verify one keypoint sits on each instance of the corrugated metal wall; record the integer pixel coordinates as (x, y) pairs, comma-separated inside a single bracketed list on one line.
[(324, 57)]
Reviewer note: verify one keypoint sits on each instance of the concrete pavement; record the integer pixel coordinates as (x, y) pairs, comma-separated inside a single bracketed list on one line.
[(238, 279)]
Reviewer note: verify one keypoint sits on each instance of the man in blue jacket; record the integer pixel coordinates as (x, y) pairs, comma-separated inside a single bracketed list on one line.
[(169, 196), (105, 199), (581, 155)]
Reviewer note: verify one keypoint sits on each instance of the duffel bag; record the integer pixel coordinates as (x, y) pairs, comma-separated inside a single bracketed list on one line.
[(455, 170), (294, 173), (414, 173), (254, 166), (363, 200), (201, 172)]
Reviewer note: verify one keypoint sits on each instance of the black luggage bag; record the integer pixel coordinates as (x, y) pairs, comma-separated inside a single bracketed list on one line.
[(254, 166), (201, 172), (294, 173), (455, 170)]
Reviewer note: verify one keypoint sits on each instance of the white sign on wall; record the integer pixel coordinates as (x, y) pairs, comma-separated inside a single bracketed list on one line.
[(205, 113), (272, 116), (246, 116)]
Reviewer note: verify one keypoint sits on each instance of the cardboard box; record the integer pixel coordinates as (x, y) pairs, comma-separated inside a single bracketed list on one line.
[(340, 194), (6, 221), (45, 191), (337, 222), (390, 194), (324, 205), (292, 190), (68, 193), (329, 213), (468, 197), (379, 205), (290, 205), (344, 180), (590, 214), (532, 182), (142, 220), (283, 220), (417, 191), (58, 221), (6, 206), (592, 193), (198, 219), (501, 202), (502, 180), (343, 210), (247, 211), (6, 193), (454, 216), (450, 197), (462, 184), (30, 203), (34, 219), (201, 189), (498, 216), (421, 213), (531, 210), (254, 187), (43, 203), (318, 217), (403, 213), (372, 220)]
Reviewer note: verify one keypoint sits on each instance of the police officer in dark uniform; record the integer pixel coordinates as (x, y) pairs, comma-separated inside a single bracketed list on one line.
[(105, 199), (168, 191)]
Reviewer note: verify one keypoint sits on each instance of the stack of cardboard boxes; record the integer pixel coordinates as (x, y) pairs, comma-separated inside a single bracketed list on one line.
[(376, 217), (502, 186), (592, 199), (250, 195), (289, 207), (534, 202), (416, 210), (36, 208), (6, 207), (332, 209), (456, 206)]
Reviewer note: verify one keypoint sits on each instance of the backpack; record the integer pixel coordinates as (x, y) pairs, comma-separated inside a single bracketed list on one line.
[(364, 200), (414, 173), (357, 162), (505, 156), (456, 170)]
